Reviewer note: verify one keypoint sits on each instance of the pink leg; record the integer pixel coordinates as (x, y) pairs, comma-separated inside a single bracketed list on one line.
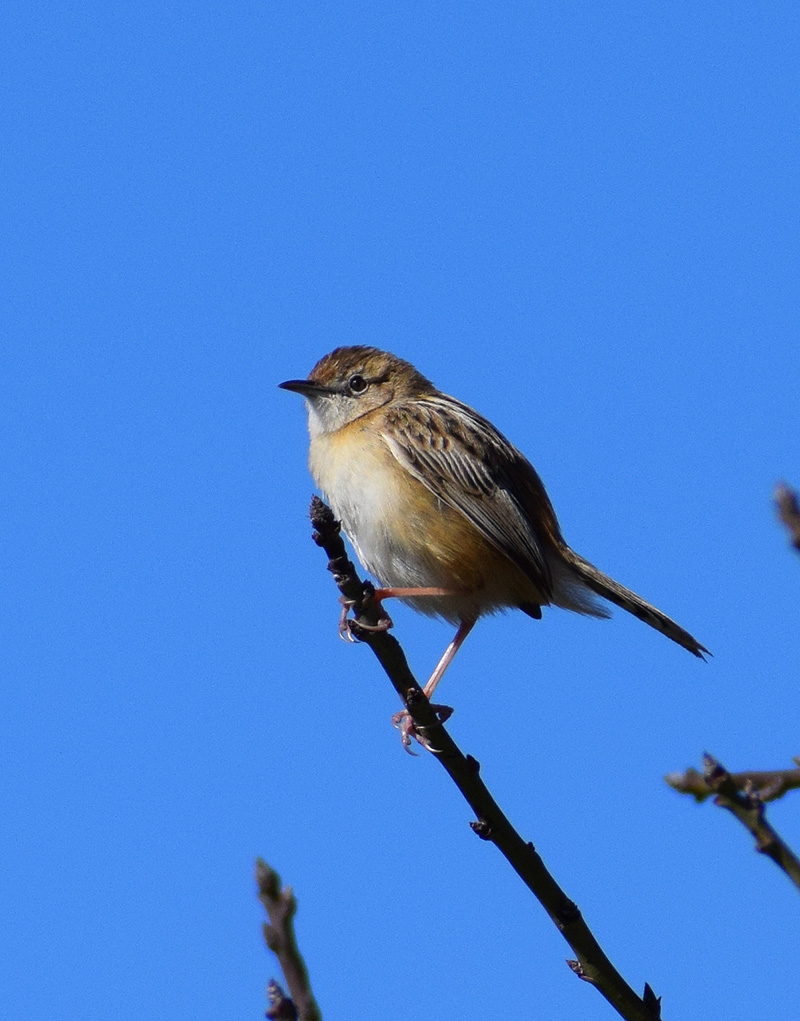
[(402, 720), (388, 593), (464, 629)]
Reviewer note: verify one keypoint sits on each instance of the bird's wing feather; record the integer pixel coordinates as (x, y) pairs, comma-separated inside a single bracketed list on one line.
[(465, 462)]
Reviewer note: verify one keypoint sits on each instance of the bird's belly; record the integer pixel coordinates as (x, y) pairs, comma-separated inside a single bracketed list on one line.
[(407, 538)]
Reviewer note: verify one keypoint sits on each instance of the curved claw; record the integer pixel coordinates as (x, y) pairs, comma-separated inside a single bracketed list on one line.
[(346, 634), (345, 631), (403, 722)]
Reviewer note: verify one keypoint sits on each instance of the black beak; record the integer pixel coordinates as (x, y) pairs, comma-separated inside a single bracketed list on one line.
[(306, 387)]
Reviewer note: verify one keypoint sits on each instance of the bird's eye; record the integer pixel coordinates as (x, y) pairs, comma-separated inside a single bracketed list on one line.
[(357, 384)]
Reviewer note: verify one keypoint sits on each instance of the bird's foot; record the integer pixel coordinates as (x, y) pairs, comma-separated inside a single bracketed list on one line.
[(345, 633), (383, 623), (403, 722)]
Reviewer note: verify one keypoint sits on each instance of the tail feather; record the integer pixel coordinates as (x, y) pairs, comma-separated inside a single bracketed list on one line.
[(606, 587)]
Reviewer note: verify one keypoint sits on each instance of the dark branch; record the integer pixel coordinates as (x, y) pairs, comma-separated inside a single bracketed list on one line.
[(789, 511), (592, 964), (769, 784), (280, 905), (748, 808)]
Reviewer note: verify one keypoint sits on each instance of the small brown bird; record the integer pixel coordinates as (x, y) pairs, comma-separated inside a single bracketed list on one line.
[(440, 507)]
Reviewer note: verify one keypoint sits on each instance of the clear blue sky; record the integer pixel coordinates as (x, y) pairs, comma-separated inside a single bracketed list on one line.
[(580, 218)]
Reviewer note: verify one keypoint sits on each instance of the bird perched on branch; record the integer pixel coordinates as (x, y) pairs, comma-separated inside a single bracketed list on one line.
[(440, 507)]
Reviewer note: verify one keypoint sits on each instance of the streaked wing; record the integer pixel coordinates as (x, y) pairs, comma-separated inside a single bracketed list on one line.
[(444, 445)]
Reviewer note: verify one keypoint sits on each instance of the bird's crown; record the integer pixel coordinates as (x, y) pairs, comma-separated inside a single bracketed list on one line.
[(359, 367)]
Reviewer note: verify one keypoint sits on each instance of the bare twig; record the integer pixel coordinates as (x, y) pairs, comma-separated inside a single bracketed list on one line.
[(281, 906), (748, 808), (491, 824), (789, 511), (769, 784)]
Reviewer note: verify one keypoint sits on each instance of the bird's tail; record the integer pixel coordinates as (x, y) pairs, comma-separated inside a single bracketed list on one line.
[(606, 587)]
